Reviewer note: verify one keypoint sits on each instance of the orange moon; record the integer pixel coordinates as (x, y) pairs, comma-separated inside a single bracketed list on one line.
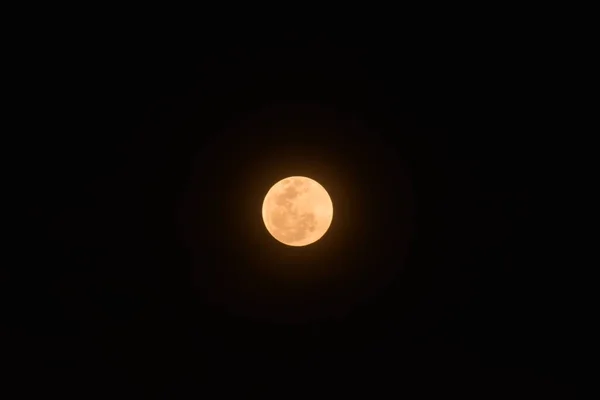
[(297, 211)]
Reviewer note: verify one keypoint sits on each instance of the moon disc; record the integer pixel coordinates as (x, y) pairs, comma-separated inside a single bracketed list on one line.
[(297, 211)]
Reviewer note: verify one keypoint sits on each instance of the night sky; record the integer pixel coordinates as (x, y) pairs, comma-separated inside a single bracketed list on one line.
[(150, 270)]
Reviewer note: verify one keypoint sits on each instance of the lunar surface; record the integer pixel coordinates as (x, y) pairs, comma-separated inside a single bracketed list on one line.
[(297, 211)]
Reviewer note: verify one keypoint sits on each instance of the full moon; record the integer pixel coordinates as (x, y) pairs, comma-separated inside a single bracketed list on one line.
[(297, 211)]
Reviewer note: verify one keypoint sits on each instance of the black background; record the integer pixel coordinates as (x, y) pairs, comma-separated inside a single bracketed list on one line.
[(149, 270)]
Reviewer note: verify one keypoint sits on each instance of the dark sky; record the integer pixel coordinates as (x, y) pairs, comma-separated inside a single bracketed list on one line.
[(151, 270)]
